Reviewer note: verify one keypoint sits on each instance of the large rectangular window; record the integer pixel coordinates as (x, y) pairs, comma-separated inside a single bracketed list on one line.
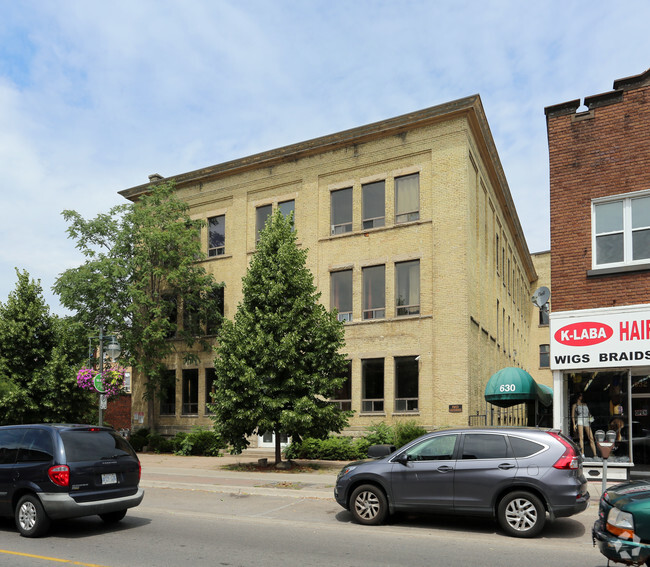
[(341, 210), (261, 215), (341, 294), (621, 232), (406, 383), (168, 393), (407, 282), (374, 204), (190, 391), (372, 378), (407, 198), (217, 235), (374, 292), (343, 396), (287, 207)]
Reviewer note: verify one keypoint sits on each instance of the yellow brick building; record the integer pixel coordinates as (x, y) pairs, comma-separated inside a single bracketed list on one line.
[(412, 234)]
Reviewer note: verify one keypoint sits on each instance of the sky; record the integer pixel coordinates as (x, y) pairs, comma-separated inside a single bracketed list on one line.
[(97, 95)]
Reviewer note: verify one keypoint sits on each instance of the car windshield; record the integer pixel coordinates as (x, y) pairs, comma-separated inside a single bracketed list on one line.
[(87, 445)]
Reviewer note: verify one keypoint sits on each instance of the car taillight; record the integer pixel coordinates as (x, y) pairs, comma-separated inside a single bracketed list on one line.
[(59, 475), (569, 459)]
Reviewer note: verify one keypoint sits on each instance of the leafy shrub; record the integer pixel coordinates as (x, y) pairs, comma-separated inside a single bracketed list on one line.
[(139, 438), (347, 449), (177, 441), (200, 442), (405, 432), (159, 444)]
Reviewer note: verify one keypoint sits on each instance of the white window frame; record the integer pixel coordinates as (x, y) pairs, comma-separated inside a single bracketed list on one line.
[(627, 230)]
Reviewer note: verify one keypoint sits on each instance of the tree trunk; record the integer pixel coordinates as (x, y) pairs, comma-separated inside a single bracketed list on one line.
[(278, 448)]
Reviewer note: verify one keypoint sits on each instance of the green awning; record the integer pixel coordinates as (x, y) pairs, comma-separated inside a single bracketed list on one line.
[(511, 386)]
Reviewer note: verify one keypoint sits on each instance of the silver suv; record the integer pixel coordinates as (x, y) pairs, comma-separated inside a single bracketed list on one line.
[(516, 475)]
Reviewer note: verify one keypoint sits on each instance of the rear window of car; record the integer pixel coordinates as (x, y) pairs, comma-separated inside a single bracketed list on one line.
[(36, 446), (524, 447), (10, 440), (87, 445)]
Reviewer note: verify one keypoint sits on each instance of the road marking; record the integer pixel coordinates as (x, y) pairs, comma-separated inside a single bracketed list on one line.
[(55, 559)]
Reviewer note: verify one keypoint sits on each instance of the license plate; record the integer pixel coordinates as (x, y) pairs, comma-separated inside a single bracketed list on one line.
[(110, 478)]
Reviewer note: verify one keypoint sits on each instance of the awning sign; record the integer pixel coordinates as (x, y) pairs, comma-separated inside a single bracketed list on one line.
[(600, 338)]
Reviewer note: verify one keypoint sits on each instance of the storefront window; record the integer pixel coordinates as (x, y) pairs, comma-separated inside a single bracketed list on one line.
[(599, 400), (640, 417)]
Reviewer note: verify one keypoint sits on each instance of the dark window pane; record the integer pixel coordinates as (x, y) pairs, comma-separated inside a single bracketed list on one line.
[(341, 294), (37, 446), (217, 235), (640, 244), (544, 356), (88, 445), (213, 320), (209, 387), (372, 374), (440, 448), (374, 292), (343, 396), (287, 207), (341, 213), (485, 446), (10, 441), (261, 215), (609, 249), (168, 393), (374, 204), (190, 391), (406, 383), (524, 447)]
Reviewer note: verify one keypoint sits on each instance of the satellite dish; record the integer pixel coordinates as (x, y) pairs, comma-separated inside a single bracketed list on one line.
[(541, 296)]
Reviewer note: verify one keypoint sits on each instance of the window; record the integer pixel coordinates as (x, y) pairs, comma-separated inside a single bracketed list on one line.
[(190, 391), (217, 236), (523, 448), (341, 213), (288, 207), (261, 215), (406, 383), (485, 446), (10, 440), (543, 316), (209, 388), (343, 396), (341, 294), (191, 317), (407, 198), (374, 292), (621, 232), (544, 356), (372, 378), (407, 294), (36, 446), (170, 314), (374, 204), (440, 448), (168, 393)]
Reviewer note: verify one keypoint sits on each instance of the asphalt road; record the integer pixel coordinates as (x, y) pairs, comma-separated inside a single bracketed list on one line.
[(194, 527)]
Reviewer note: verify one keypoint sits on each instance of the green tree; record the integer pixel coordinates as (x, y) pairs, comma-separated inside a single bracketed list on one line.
[(279, 361), (39, 354), (141, 270)]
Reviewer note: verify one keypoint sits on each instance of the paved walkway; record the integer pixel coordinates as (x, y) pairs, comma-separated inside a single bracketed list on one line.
[(222, 474), (228, 474)]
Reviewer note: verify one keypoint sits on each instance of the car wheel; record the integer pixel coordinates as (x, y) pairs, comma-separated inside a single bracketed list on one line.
[(521, 514), (31, 519), (113, 517), (368, 505)]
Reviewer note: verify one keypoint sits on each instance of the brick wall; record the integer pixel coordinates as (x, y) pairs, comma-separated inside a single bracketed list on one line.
[(118, 412), (604, 151)]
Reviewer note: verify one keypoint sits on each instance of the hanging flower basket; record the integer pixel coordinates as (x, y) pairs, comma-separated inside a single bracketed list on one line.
[(112, 380)]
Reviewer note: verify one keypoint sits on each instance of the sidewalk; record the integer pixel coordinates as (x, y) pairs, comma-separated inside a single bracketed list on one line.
[(211, 474)]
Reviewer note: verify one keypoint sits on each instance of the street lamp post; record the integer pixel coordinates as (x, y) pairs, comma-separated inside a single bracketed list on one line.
[(113, 351)]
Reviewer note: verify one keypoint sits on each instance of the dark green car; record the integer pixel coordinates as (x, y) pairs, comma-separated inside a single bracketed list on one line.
[(622, 530)]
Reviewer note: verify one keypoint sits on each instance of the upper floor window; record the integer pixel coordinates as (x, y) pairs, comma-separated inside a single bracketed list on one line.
[(341, 294), (288, 207), (341, 210), (407, 281), (217, 236), (544, 356), (621, 232), (407, 198), (261, 215), (374, 204), (374, 292)]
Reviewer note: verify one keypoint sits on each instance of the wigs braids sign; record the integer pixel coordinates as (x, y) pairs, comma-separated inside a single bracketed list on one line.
[(600, 338)]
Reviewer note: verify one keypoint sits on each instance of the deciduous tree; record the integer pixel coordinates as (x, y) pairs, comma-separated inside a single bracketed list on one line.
[(279, 361)]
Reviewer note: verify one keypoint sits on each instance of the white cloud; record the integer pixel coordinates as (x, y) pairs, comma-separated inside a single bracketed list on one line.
[(96, 96)]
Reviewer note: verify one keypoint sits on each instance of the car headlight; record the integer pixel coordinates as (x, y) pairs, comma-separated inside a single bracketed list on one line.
[(620, 523), (345, 471)]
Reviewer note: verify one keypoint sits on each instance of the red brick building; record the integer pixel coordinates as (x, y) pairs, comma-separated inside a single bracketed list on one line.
[(600, 268)]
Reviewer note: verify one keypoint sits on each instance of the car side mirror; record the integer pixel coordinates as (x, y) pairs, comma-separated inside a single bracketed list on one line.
[(402, 458)]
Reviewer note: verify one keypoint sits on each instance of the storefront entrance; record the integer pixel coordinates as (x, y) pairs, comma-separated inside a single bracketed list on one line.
[(640, 424)]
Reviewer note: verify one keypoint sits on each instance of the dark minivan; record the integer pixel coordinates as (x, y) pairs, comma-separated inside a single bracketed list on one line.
[(58, 471)]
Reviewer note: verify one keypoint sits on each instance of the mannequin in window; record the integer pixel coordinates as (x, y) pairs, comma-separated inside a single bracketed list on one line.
[(616, 410), (580, 416)]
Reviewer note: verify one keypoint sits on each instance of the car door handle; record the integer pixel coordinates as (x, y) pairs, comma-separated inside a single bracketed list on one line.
[(445, 468), (506, 466)]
